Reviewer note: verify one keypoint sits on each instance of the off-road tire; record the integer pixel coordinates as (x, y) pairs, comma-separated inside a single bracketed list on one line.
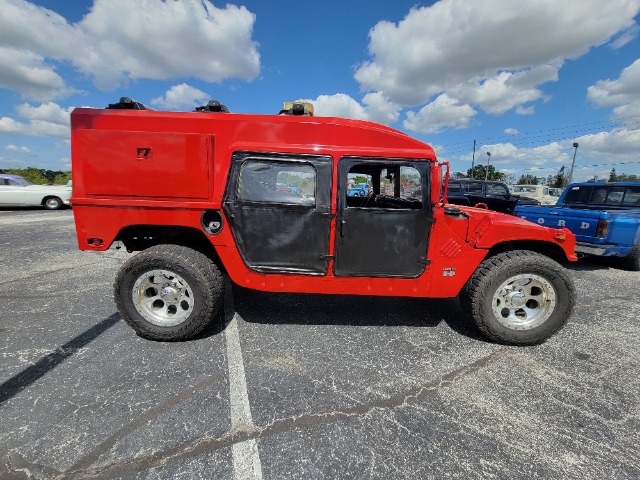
[(632, 260), (168, 292), (52, 203), (493, 297)]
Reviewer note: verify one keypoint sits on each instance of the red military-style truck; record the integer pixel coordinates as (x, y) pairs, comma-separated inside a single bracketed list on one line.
[(263, 198)]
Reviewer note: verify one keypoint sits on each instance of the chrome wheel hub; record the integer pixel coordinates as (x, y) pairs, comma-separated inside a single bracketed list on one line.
[(523, 302), (162, 297)]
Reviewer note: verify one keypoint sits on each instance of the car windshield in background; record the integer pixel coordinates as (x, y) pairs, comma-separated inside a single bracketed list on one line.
[(497, 189), (518, 189), (23, 181), (603, 195)]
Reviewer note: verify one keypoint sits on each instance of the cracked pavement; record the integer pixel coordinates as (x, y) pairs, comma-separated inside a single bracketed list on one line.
[(335, 387)]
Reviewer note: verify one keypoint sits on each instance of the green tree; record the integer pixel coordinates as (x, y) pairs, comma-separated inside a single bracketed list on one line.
[(625, 177), (612, 175), (61, 178), (40, 176), (528, 179), (479, 172), (559, 179)]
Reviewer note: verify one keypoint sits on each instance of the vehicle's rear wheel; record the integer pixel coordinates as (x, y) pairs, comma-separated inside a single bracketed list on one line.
[(52, 203), (168, 292), (632, 260), (519, 297)]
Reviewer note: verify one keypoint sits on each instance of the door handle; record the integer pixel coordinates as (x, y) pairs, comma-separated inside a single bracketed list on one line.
[(342, 227)]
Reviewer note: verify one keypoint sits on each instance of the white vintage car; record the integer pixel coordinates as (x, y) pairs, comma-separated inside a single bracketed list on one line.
[(16, 191), (545, 195)]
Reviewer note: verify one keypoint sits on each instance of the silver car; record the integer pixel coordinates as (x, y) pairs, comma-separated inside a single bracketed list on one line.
[(16, 191)]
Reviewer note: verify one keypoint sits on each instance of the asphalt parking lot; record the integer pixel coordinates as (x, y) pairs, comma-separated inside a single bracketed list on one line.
[(302, 386)]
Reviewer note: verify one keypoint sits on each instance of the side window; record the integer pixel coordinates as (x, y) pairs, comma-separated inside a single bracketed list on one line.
[(454, 188), (473, 187), (412, 183), (289, 183), (578, 195), (598, 196), (384, 185), (632, 196), (614, 197), (497, 189)]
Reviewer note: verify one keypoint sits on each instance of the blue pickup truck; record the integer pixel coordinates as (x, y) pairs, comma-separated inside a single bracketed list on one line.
[(359, 190), (605, 217)]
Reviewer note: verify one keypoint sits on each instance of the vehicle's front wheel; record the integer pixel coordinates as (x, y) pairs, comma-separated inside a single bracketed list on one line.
[(52, 203), (519, 297), (168, 292)]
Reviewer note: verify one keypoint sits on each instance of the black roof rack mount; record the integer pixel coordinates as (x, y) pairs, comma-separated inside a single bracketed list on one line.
[(126, 103)]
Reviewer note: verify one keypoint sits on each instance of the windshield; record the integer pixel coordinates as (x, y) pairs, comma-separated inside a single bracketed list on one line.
[(23, 181), (524, 189)]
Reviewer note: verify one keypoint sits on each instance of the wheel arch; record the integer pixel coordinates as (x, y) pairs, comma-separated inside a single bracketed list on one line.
[(548, 249), (140, 237)]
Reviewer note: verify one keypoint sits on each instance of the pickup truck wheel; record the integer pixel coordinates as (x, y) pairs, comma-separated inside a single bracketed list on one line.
[(52, 203), (632, 260), (519, 297), (168, 292)]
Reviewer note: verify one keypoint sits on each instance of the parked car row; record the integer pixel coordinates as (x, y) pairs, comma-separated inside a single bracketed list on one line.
[(17, 191), (605, 218), (544, 194), (485, 193), (358, 190)]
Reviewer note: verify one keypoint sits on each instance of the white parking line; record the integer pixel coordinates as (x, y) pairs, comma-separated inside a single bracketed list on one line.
[(246, 458)]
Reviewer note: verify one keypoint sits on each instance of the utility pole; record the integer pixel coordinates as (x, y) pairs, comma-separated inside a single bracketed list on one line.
[(486, 174), (473, 159), (575, 150)]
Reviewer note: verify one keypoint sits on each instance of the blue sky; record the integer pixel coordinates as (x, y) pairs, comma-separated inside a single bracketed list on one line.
[(525, 80)]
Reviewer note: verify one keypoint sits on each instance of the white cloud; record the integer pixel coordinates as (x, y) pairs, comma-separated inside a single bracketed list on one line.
[(9, 125), (488, 52), (14, 148), (180, 97), (622, 93), (163, 40), (380, 109), (625, 37), (47, 112), (443, 112), (120, 40), (511, 131), (27, 73), (530, 110), (607, 93), (375, 107), (48, 119), (506, 90), (338, 105), (618, 145), (628, 113)]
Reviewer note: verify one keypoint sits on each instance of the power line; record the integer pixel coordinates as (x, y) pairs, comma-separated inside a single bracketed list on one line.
[(544, 135)]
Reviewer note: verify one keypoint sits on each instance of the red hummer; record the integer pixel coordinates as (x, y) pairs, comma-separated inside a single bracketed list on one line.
[(264, 199)]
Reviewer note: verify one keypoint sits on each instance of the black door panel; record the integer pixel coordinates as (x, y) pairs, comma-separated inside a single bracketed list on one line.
[(386, 234), (278, 226)]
